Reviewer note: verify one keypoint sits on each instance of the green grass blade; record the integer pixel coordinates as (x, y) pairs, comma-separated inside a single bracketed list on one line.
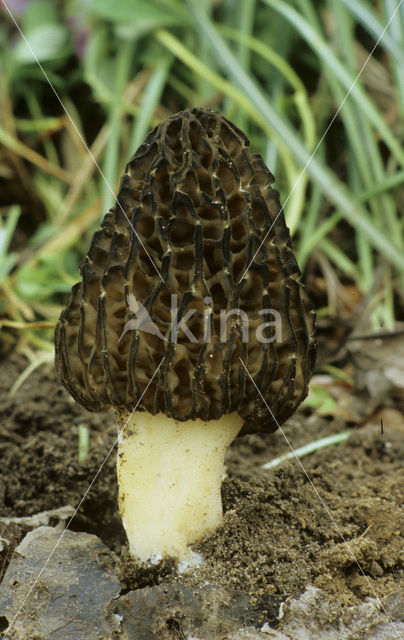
[(7, 230), (316, 232), (366, 154), (339, 258), (204, 89), (368, 20), (193, 62), (348, 81), (308, 448), (150, 100), (331, 186), (245, 12), (41, 359), (83, 444), (111, 156), (278, 62), (396, 29)]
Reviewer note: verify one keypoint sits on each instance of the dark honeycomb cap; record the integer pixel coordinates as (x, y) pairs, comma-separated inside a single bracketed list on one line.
[(193, 208)]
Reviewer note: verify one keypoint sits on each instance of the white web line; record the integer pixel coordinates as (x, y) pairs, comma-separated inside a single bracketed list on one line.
[(323, 136), (328, 512), (20, 608), (81, 137)]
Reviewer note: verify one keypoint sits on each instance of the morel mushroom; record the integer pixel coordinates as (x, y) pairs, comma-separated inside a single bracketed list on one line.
[(191, 277)]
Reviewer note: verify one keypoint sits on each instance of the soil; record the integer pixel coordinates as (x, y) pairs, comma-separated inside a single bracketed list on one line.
[(337, 524)]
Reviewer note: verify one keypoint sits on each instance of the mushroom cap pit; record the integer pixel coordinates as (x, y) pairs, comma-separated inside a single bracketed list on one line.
[(197, 228)]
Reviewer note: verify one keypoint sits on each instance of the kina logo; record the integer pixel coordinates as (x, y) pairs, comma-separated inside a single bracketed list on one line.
[(142, 321)]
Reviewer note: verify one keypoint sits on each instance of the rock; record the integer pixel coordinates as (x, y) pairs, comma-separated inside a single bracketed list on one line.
[(168, 612), (69, 599), (265, 633), (316, 615), (40, 519), (68, 589)]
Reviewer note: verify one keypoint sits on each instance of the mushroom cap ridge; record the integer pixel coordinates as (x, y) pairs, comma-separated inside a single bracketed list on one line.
[(201, 205)]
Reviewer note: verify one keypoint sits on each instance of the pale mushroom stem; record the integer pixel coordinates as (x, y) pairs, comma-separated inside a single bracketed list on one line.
[(169, 477)]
